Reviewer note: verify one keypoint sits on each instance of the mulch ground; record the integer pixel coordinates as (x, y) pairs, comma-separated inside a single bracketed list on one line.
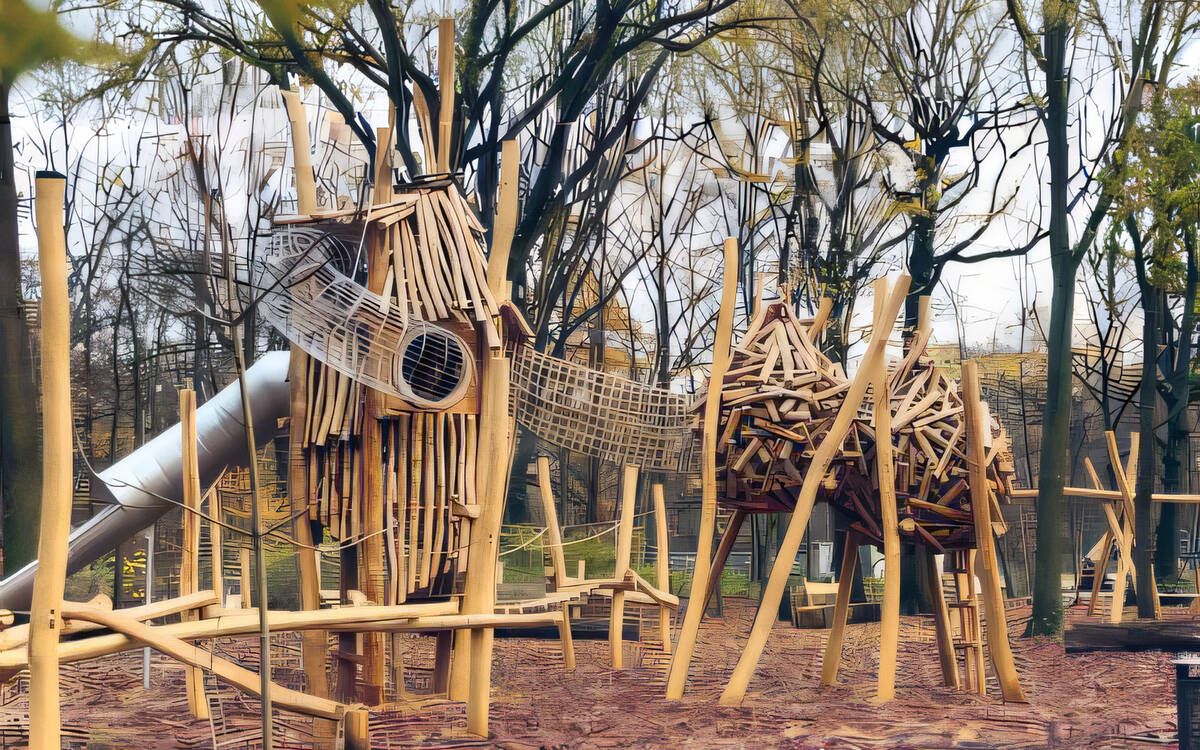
[(1098, 700)]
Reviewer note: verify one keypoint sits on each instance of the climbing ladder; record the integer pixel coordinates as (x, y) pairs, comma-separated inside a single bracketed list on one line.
[(968, 638)]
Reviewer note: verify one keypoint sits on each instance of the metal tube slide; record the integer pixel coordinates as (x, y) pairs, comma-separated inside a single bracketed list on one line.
[(133, 484)]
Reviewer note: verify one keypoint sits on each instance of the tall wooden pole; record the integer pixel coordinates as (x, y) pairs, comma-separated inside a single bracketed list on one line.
[(371, 553), (45, 620), (314, 644), (981, 509), (616, 620), (189, 568), (446, 91), (885, 473), (479, 596), (841, 609), (306, 186), (768, 608), (662, 561), (682, 660)]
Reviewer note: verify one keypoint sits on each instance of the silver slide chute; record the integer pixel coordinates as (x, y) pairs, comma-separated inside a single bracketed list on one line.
[(132, 484)]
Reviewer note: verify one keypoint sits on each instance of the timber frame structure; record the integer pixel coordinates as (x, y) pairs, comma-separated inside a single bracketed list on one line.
[(408, 376)]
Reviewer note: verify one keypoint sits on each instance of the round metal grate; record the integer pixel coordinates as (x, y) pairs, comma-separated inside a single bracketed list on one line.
[(432, 366)]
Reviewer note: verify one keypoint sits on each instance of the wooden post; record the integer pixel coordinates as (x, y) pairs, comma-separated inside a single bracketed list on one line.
[(616, 620), (565, 639), (557, 559), (371, 575), (981, 509), (45, 621), (446, 91), (769, 607), (662, 561), (314, 644), (941, 625), (306, 186), (189, 569), (358, 729), (682, 660), (492, 480), (841, 608), (244, 575), (885, 469), (728, 539), (553, 532), (506, 218)]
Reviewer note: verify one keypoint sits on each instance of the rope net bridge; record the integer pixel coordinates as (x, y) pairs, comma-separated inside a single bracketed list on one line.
[(601, 415)]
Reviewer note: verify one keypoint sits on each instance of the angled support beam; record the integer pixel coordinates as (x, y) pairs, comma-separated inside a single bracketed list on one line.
[(786, 557), (682, 660)]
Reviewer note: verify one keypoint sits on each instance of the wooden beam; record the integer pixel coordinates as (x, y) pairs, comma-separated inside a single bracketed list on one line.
[(941, 624), (491, 478), (550, 512), (723, 341), (616, 619), (446, 91), (728, 539), (841, 608), (662, 561), (306, 186), (243, 679), (505, 224), (885, 468), (813, 480), (189, 569), (55, 524), (981, 509)]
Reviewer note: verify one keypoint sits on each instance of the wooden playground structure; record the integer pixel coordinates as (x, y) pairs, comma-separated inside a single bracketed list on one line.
[(401, 440)]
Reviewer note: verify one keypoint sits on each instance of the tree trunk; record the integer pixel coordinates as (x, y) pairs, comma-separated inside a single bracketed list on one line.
[(1143, 540), (1056, 424), (20, 438)]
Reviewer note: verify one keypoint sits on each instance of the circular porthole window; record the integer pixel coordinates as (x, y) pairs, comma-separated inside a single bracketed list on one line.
[(433, 367)]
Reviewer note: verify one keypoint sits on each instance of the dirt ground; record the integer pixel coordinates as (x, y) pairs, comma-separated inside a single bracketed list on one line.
[(1100, 700)]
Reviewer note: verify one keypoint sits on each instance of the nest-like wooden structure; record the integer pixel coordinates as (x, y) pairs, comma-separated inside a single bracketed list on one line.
[(779, 399)]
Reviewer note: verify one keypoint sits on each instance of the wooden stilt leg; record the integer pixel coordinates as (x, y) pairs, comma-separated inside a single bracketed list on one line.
[(981, 504), (441, 661), (841, 608), (495, 441), (616, 623), (564, 637), (460, 667), (479, 703), (189, 568), (728, 539), (1099, 571), (662, 562), (941, 624), (682, 659), (358, 730), (889, 621), (769, 607)]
